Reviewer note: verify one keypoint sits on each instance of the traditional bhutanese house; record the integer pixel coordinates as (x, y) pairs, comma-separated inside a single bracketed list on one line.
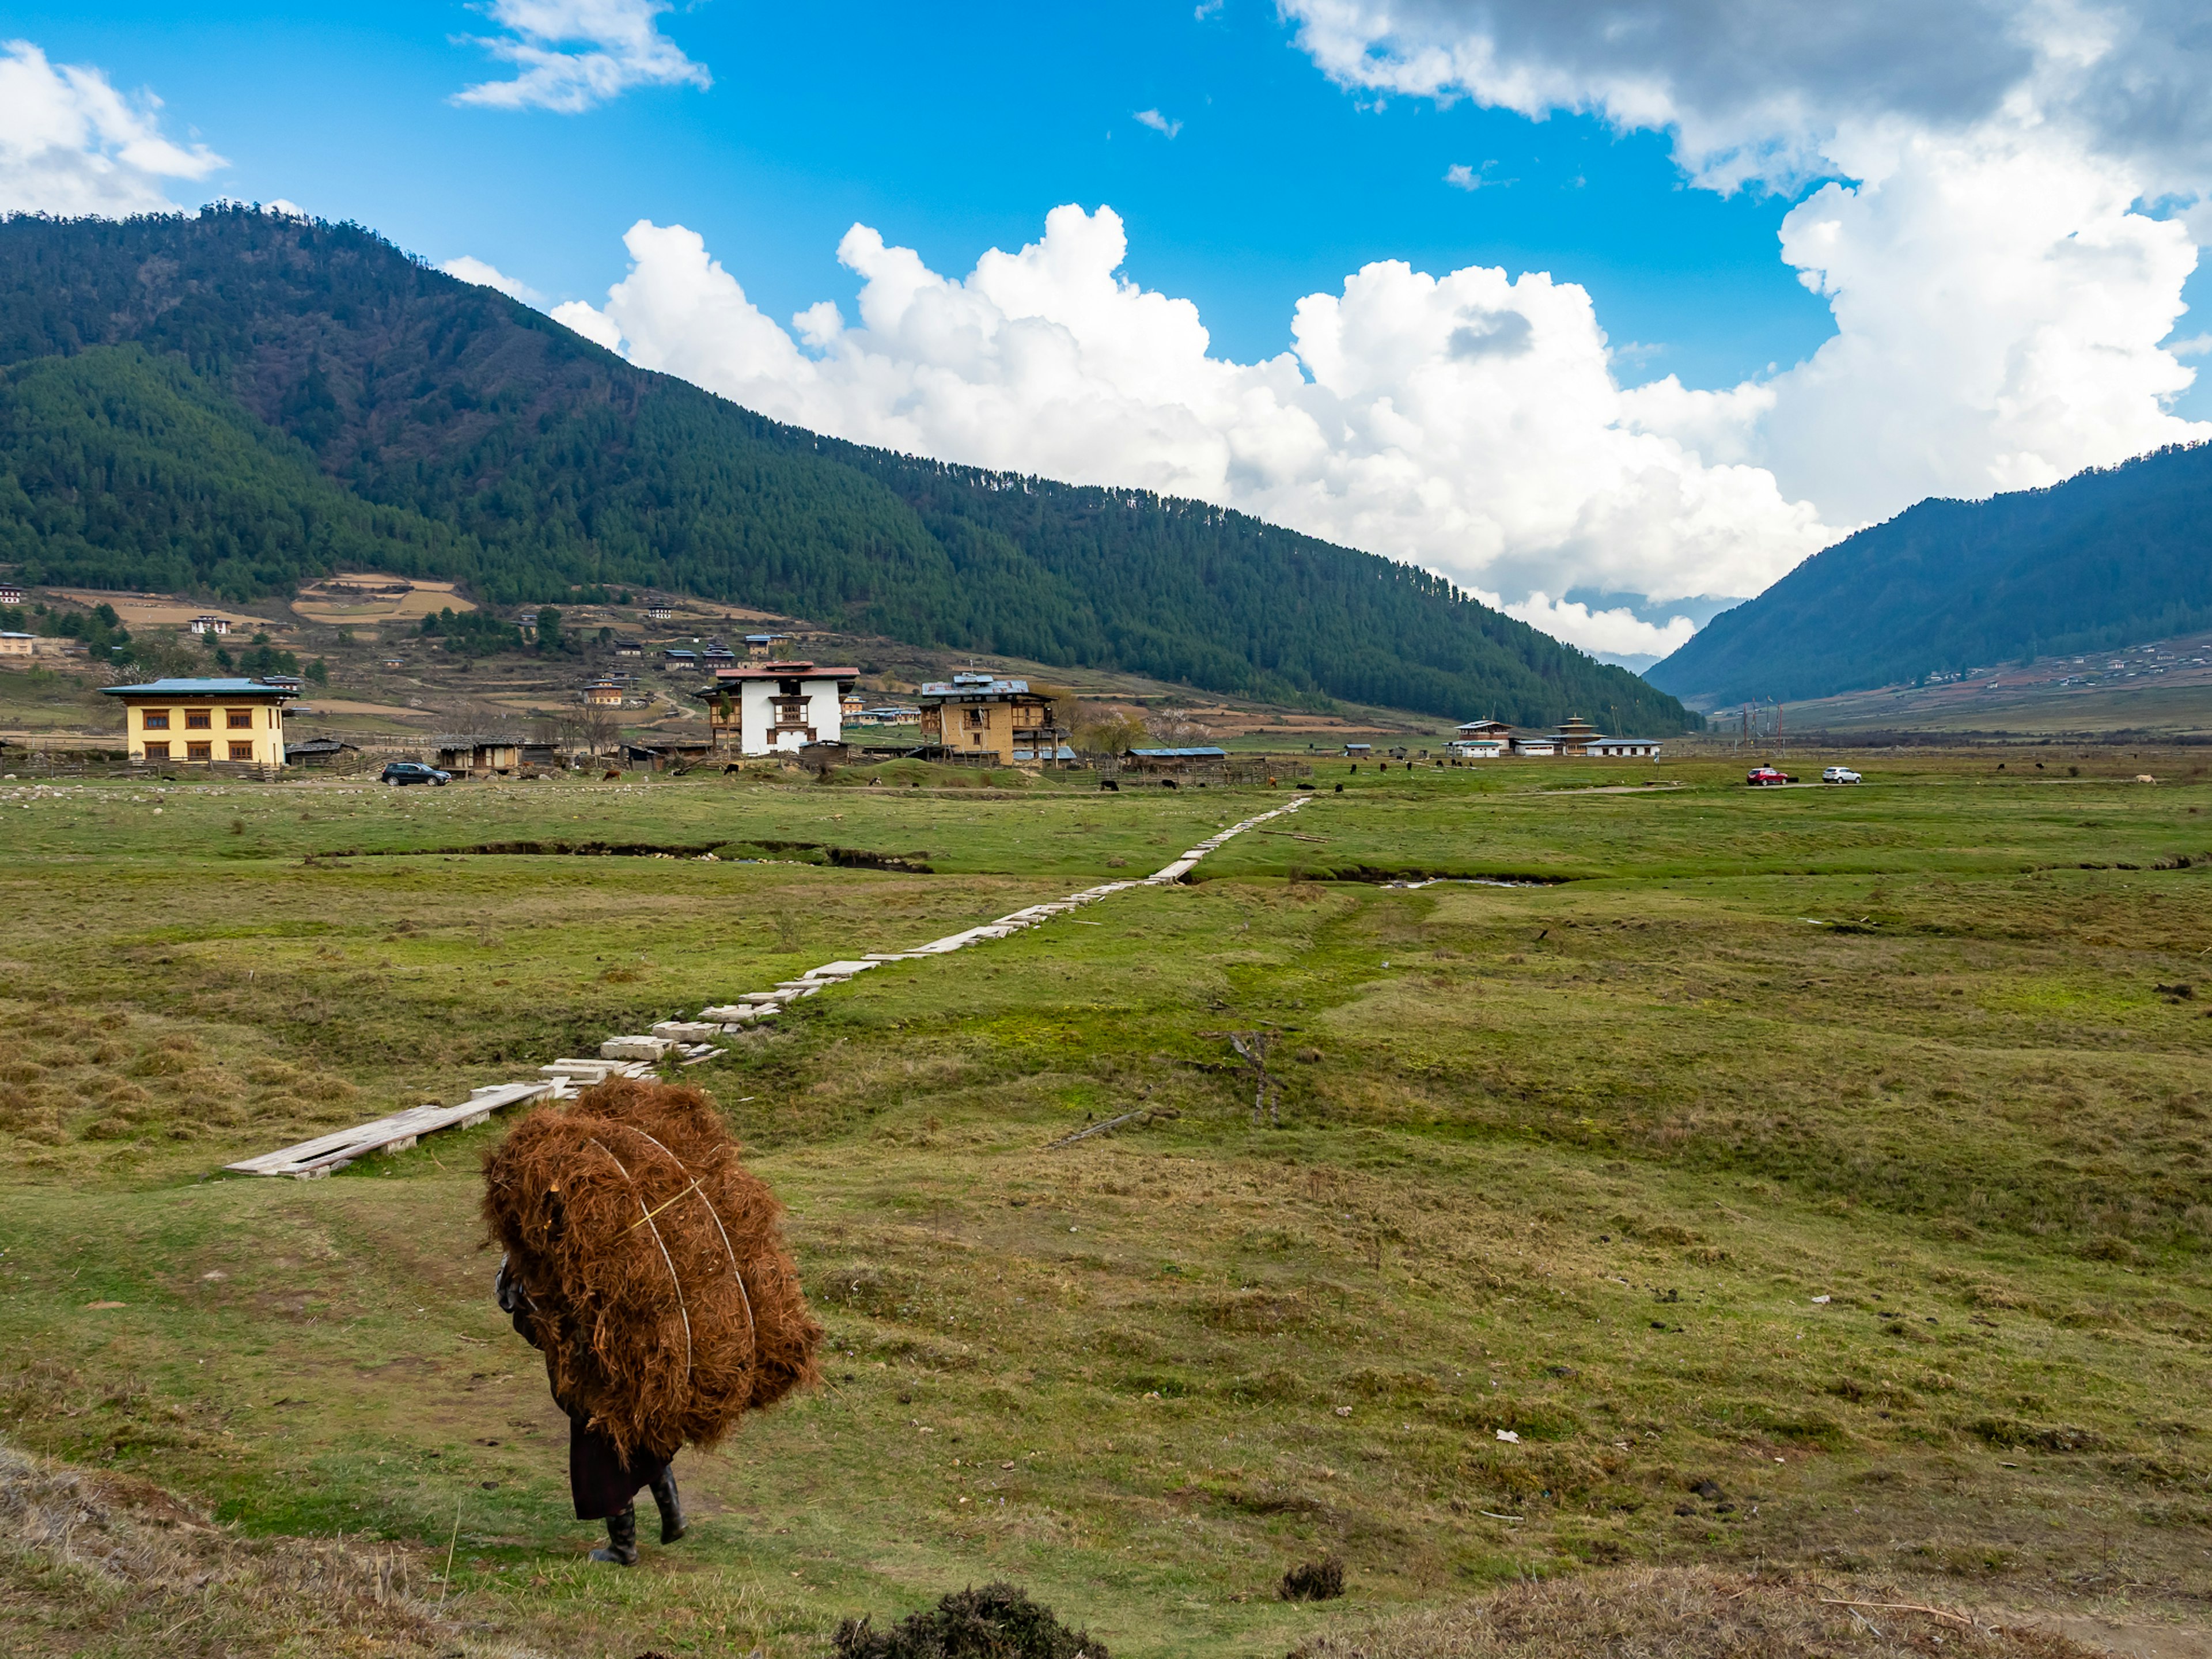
[(661, 612), (1536, 743), (978, 715), (760, 646), (680, 656), (479, 754), (603, 694), (209, 623), (1576, 735), (851, 707), (628, 648), (1173, 760), (777, 707), (717, 653), (10, 593), (19, 645), (1486, 747), (237, 721), (1624, 749)]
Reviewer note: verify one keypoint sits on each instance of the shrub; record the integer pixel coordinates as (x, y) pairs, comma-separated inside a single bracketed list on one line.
[(997, 1621)]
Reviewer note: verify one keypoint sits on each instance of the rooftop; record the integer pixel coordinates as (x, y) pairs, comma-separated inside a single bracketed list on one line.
[(785, 670), (198, 689), (975, 686), (1200, 753)]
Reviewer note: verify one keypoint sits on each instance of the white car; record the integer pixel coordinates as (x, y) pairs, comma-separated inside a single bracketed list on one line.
[(1840, 774)]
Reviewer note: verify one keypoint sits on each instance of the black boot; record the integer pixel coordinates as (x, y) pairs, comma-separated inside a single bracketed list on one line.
[(671, 1506), (622, 1540)]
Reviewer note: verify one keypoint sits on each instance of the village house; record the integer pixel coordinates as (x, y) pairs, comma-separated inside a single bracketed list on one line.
[(661, 612), (238, 721), (10, 593), (777, 707), (208, 623), (1574, 737), (478, 754), (760, 646), (979, 716), (603, 694)]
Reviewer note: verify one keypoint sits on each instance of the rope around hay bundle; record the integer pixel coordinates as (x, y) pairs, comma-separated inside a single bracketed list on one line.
[(675, 1279)]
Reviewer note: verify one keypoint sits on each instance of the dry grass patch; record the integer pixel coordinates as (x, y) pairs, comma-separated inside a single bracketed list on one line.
[(1690, 1613)]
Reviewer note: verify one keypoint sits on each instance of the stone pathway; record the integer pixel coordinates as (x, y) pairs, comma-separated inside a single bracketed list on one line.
[(692, 1041)]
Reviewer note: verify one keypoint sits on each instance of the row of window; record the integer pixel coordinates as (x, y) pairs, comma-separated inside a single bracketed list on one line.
[(200, 751), (198, 719)]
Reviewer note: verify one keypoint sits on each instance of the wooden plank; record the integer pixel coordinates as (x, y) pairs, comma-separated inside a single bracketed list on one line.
[(394, 1133)]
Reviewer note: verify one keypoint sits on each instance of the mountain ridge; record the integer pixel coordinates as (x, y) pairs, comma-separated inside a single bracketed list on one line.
[(526, 461), (2109, 556)]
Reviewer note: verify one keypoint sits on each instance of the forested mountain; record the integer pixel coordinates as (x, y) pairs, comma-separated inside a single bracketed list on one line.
[(234, 402), (2108, 557)]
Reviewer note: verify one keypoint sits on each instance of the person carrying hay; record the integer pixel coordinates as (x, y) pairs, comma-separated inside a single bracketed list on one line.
[(649, 1267)]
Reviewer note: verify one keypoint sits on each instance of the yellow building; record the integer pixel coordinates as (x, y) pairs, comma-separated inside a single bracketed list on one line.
[(980, 714), (238, 721)]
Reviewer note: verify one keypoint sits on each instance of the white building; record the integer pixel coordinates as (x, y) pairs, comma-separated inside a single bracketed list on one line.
[(778, 707), (208, 623)]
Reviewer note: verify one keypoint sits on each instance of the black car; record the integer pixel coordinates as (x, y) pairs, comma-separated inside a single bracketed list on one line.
[(401, 772)]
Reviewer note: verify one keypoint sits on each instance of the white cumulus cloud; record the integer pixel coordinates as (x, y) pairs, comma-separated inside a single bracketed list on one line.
[(572, 54), (470, 269), (1470, 421), (1157, 122), (70, 144), (1999, 292)]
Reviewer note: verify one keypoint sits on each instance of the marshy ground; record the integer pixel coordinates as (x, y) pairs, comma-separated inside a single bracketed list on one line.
[(1809, 1186)]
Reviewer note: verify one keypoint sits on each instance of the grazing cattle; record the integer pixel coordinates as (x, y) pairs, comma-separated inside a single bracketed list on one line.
[(1109, 783), (612, 775), (733, 770), (1169, 783)]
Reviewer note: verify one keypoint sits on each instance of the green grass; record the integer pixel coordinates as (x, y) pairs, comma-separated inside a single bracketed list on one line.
[(1569, 1161)]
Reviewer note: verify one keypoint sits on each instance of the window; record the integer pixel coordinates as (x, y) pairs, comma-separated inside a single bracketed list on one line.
[(241, 751), (199, 752), (157, 752), (198, 719), (155, 720), (238, 719)]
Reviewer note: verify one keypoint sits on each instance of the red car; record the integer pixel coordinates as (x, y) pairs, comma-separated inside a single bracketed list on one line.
[(1762, 775)]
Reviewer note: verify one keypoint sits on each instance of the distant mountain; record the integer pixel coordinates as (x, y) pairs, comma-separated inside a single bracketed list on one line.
[(234, 403), (2109, 556)]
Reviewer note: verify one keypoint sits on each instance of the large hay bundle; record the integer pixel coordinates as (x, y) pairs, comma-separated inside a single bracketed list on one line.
[(664, 1297)]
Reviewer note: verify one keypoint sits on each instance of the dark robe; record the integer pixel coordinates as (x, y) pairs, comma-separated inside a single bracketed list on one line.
[(600, 1480)]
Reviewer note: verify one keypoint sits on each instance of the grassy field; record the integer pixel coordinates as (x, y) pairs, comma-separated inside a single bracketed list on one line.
[(1812, 1180)]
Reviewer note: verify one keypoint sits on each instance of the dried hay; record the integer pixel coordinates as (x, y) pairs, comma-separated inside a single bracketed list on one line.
[(666, 1302)]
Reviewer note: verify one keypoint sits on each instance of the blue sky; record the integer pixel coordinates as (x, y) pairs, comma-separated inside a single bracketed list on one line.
[(1610, 467), (952, 129)]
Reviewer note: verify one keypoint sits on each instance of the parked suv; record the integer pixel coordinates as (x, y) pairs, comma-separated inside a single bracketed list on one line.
[(1762, 775), (1840, 774), (400, 772)]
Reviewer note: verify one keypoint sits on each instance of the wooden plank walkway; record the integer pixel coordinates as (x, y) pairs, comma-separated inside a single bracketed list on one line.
[(620, 1056)]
